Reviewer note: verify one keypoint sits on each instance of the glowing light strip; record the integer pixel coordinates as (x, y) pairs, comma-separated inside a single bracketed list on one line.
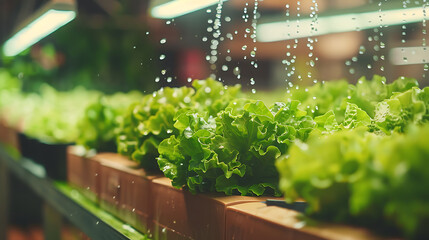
[(44, 25), (409, 55), (300, 28), (176, 8)]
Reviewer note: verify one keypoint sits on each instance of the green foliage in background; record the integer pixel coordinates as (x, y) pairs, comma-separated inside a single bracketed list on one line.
[(101, 57), (54, 115), (101, 120), (334, 96)]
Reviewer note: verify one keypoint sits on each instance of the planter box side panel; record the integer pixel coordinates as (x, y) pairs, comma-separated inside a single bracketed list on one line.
[(197, 216), (83, 173), (256, 221)]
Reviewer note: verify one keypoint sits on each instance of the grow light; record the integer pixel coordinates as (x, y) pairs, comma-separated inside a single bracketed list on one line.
[(46, 21), (307, 27), (176, 8), (409, 55)]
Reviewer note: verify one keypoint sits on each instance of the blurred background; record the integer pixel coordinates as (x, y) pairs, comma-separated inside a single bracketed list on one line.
[(115, 45)]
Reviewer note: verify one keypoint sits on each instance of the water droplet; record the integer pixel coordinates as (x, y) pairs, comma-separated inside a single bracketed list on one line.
[(224, 68), (253, 91), (163, 71), (244, 47), (252, 81), (157, 79), (163, 41), (362, 49), (236, 71), (162, 57), (376, 48), (169, 79)]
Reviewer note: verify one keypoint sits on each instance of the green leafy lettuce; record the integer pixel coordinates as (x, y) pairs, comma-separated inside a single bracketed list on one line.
[(402, 109), (52, 115), (361, 177), (234, 152), (334, 96), (101, 120), (152, 120)]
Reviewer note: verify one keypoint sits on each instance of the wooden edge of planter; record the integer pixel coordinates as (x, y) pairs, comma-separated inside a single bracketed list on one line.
[(125, 190), (196, 216), (117, 161), (257, 220), (83, 173), (9, 135)]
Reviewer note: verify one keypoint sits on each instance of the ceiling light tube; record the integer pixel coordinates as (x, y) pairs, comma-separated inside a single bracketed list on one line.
[(46, 21), (308, 27), (409, 55), (175, 8)]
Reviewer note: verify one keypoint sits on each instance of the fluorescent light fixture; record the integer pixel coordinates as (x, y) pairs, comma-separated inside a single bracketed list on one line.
[(50, 18), (409, 55), (307, 27), (176, 8)]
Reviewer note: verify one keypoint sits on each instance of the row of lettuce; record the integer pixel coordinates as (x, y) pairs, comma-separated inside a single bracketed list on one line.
[(356, 153)]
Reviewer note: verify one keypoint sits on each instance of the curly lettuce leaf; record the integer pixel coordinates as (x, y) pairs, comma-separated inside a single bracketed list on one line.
[(159, 116), (396, 113), (235, 152), (360, 177)]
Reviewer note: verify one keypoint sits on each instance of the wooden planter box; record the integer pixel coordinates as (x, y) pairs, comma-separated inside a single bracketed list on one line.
[(179, 214), (8, 135), (125, 190), (257, 221), (83, 172)]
